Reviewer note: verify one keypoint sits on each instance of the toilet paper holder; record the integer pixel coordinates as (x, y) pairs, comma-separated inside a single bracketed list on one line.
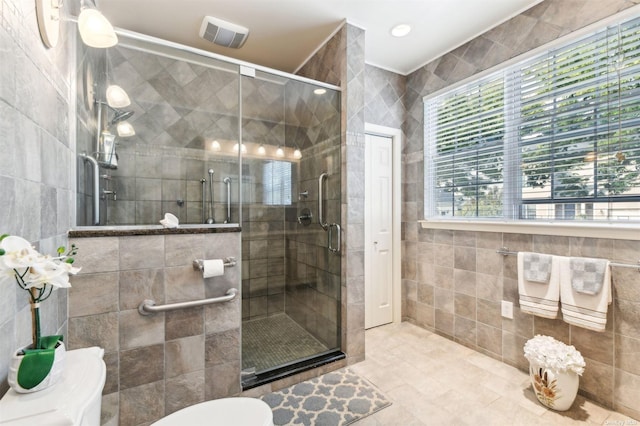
[(198, 264)]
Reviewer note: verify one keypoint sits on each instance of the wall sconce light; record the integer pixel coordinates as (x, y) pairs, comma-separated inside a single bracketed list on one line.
[(279, 152), (262, 150), (215, 146), (117, 97), (95, 29), (236, 146), (297, 154), (48, 12), (125, 129)]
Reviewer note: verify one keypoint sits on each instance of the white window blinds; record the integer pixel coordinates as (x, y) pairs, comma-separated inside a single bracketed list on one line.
[(553, 137)]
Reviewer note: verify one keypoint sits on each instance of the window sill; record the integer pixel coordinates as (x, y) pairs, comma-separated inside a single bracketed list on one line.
[(621, 231)]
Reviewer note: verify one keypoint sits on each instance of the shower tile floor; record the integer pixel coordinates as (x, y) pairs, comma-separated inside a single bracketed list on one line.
[(434, 381), (276, 340)]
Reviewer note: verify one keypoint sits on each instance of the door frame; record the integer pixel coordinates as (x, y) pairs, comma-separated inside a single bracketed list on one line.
[(396, 200)]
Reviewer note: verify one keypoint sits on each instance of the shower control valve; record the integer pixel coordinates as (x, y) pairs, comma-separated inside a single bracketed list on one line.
[(106, 193)]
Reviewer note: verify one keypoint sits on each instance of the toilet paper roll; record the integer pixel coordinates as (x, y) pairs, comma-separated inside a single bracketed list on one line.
[(212, 268)]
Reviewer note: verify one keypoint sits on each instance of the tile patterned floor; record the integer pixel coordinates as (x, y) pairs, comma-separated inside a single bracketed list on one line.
[(434, 381), (272, 341)]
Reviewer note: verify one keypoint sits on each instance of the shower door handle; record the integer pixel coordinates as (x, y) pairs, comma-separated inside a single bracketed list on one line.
[(321, 221), (335, 249)]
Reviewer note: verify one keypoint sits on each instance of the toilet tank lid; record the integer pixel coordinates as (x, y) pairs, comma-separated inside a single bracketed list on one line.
[(64, 402)]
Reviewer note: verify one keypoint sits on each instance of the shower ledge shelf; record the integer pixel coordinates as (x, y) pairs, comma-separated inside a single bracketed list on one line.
[(127, 230)]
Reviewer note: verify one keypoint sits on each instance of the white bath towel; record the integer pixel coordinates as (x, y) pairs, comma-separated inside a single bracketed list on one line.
[(539, 298), (582, 309)]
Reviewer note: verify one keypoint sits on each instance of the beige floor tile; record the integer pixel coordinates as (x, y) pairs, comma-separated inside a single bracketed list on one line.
[(396, 414), (435, 381)]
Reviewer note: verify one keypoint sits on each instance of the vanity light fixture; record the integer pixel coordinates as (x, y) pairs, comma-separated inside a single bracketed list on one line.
[(401, 30), (95, 29), (48, 12), (117, 97), (236, 147), (125, 129), (279, 152)]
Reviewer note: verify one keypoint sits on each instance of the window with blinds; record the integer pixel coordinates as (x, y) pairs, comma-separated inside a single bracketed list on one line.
[(555, 136), (276, 183)]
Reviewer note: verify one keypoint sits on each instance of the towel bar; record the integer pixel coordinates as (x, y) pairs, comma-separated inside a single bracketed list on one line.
[(506, 252), (228, 262), (148, 307)]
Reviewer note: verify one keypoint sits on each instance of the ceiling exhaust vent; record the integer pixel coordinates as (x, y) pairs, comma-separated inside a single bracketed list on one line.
[(223, 33)]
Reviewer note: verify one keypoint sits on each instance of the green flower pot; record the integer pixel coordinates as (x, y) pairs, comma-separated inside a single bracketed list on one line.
[(33, 370)]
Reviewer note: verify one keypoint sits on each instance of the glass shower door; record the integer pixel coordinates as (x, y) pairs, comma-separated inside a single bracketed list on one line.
[(291, 281)]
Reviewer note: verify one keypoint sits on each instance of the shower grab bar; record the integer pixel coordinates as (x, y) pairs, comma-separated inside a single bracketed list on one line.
[(333, 249), (227, 181), (228, 262), (321, 221), (96, 186), (203, 182), (148, 307)]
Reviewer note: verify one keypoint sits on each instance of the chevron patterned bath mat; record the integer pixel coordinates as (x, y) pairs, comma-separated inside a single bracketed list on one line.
[(337, 398)]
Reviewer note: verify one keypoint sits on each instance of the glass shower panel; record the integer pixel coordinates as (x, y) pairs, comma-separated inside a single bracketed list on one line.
[(184, 111), (291, 283)]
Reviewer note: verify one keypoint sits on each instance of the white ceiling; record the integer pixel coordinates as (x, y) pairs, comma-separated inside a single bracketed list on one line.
[(283, 34)]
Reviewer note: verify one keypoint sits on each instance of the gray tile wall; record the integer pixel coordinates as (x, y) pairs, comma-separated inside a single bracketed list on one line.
[(453, 281), (37, 165), (160, 363), (341, 62)]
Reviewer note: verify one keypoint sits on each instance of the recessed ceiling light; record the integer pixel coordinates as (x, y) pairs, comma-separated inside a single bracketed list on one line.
[(401, 30), (320, 91)]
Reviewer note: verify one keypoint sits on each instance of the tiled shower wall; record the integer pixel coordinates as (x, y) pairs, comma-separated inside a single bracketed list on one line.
[(179, 108), (341, 62), (453, 281), (160, 363), (37, 160)]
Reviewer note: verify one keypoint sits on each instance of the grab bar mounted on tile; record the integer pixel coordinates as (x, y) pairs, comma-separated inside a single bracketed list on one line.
[(148, 307)]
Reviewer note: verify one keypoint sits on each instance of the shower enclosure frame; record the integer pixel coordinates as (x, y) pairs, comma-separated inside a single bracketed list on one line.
[(243, 69)]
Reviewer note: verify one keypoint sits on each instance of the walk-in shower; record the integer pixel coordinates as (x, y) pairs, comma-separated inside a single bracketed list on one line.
[(219, 142)]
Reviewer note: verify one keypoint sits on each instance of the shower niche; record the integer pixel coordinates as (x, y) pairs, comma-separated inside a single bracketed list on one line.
[(212, 142)]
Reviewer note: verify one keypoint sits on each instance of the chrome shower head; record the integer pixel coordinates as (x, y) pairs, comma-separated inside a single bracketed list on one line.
[(121, 115)]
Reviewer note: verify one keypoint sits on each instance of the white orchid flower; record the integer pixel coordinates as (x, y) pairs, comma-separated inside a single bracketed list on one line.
[(36, 269)]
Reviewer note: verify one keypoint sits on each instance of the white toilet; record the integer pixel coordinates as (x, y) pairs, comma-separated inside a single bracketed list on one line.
[(75, 400), (222, 412)]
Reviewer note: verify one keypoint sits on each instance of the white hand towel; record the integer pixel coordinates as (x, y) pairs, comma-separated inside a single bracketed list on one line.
[(537, 298), (212, 268), (581, 309)]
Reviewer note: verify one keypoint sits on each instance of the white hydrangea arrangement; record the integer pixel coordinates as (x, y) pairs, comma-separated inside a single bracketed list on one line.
[(552, 354)]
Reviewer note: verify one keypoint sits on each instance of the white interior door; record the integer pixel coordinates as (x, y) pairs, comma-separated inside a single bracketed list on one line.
[(378, 230)]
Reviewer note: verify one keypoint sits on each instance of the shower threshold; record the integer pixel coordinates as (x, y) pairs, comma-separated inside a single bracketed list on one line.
[(261, 378)]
